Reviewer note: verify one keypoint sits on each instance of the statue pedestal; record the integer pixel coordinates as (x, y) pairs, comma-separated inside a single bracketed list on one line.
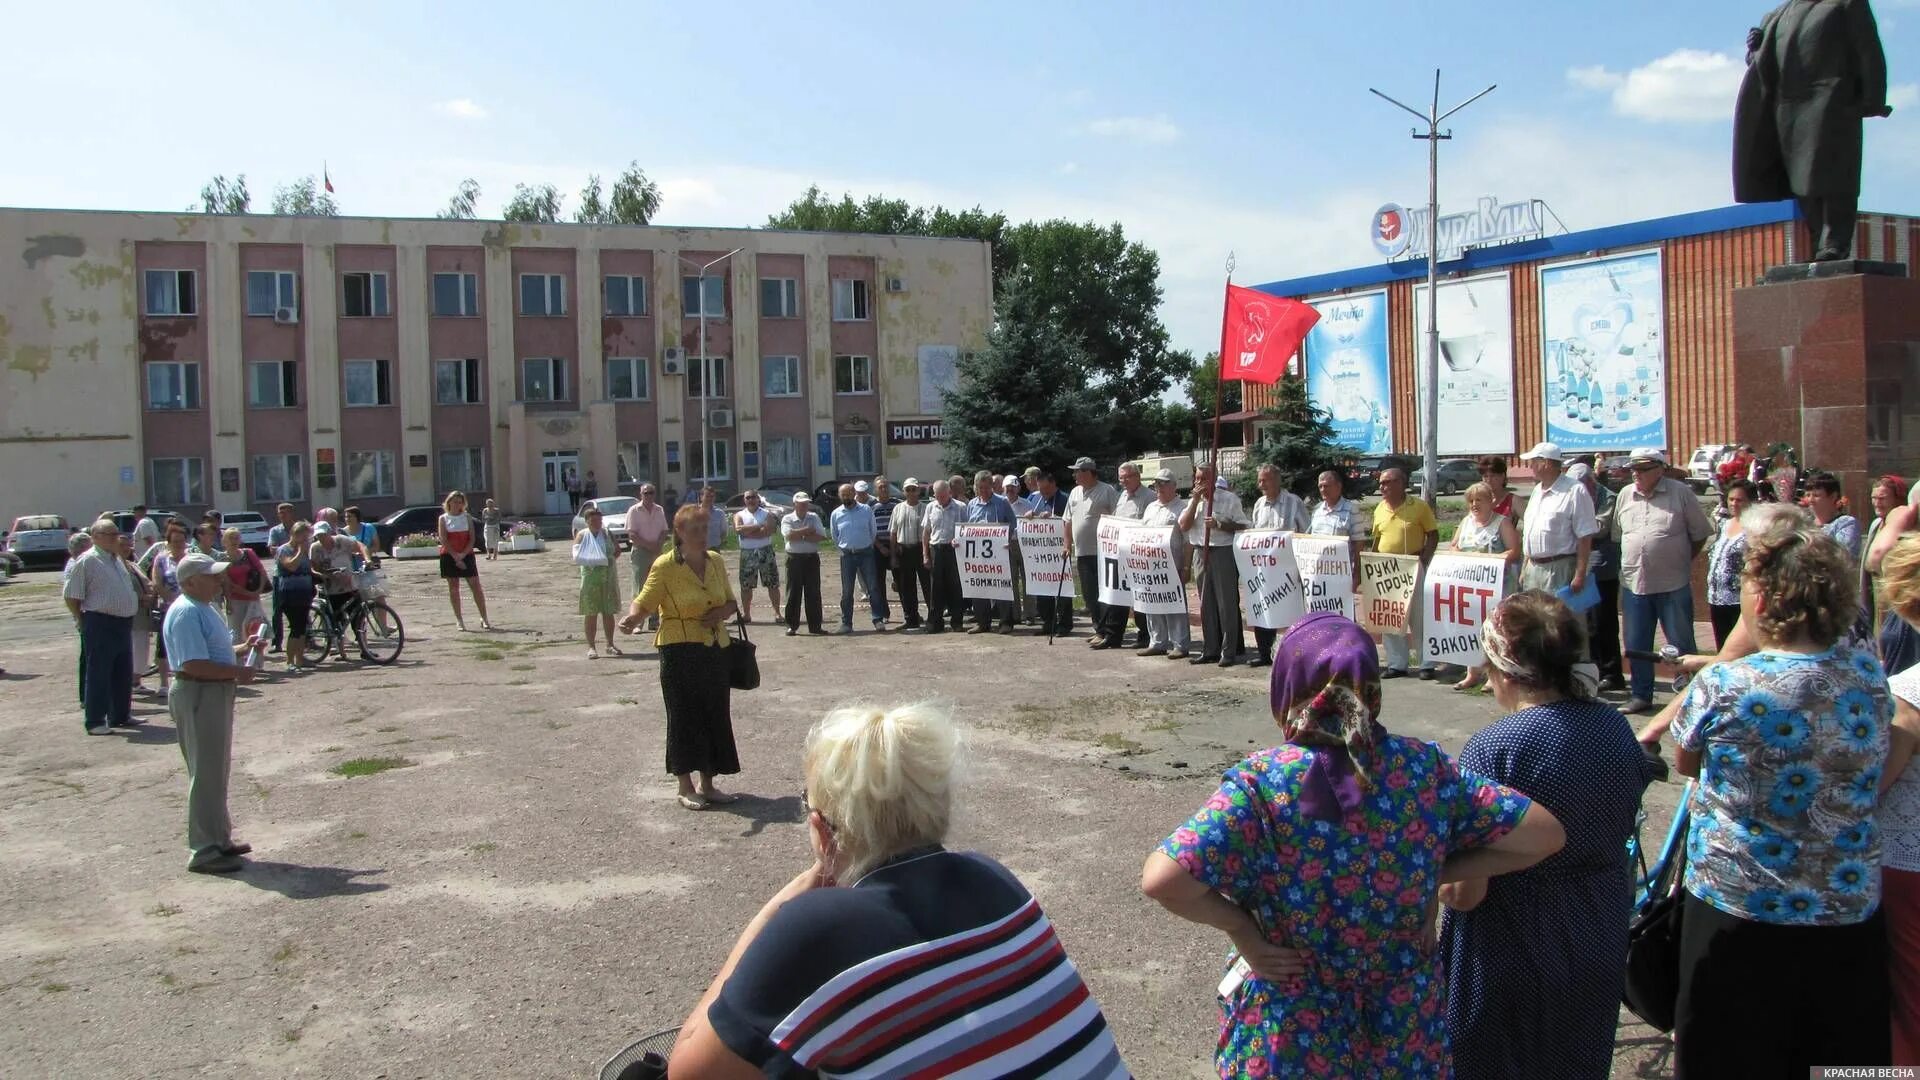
[(1824, 358)]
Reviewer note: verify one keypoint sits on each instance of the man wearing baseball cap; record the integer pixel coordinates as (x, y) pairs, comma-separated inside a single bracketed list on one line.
[(1557, 537), (1090, 500), (802, 530), (1661, 529), (904, 528), (205, 671)]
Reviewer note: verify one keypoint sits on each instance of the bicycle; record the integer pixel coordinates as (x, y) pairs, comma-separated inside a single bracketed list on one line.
[(643, 1059), (376, 627)]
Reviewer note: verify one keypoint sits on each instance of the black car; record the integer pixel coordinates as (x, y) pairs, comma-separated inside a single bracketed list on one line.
[(1455, 476), (1363, 474), (410, 520)]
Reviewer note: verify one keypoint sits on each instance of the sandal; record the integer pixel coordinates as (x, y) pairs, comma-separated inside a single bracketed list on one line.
[(593, 654), (691, 802), (1467, 686), (614, 649)]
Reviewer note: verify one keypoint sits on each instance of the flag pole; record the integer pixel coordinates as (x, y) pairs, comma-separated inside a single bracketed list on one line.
[(1219, 388)]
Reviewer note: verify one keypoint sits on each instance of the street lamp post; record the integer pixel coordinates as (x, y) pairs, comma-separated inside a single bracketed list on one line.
[(706, 381), (1430, 397)]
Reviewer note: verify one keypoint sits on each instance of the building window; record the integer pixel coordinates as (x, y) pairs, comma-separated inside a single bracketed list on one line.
[(786, 458), (366, 296), (543, 294), (722, 457), (849, 300), (543, 378), (270, 290), (173, 385), (1883, 424), (172, 292), (627, 379), (369, 382), (273, 384), (456, 294), (177, 481), (369, 474), (705, 296), (626, 295), (462, 469), (708, 372), (456, 382), (779, 298), (277, 478), (856, 455), (853, 374), (780, 376), (634, 461)]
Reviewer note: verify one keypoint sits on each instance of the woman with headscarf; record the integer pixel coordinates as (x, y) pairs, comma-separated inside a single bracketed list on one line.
[(1321, 858), (1534, 958)]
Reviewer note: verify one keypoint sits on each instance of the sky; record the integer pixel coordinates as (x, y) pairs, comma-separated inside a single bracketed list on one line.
[(1205, 130)]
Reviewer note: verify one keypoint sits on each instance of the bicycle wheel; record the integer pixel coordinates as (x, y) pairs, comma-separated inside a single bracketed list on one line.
[(320, 631), (379, 632)]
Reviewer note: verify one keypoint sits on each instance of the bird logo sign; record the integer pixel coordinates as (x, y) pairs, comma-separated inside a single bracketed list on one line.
[(1391, 231)]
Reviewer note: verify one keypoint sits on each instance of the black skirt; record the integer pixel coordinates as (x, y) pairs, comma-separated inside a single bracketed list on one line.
[(693, 682), (450, 569)]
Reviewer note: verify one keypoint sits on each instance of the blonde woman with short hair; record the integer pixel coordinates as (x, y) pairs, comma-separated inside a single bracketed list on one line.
[(457, 562), (1898, 813), (890, 955), (1485, 531)]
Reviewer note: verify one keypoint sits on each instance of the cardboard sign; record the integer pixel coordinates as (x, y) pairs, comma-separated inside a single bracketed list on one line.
[(1043, 553), (1386, 591), (1460, 592), (1326, 571), (1270, 586), (1152, 575), (986, 565), (1113, 562)]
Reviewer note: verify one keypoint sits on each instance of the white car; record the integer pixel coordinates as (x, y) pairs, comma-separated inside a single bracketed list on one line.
[(253, 527), (39, 539), (1705, 462), (613, 512)]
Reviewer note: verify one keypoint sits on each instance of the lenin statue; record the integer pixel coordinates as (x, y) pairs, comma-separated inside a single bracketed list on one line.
[(1815, 71)]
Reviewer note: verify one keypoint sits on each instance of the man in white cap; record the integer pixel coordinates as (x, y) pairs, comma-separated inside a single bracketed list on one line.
[(1211, 518), (205, 670), (1090, 500), (905, 527), (1556, 539), (939, 526), (1661, 528), (803, 531), (1169, 635)]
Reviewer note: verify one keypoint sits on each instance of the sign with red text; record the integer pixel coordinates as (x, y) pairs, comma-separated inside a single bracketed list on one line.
[(1271, 589), (1043, 554), (1113, 562), (1152, 575), (986, 566), (1459, 593), (1387, 585), (1326, 572)]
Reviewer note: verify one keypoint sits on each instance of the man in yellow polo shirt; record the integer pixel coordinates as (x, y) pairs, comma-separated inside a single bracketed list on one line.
[(1403, 525)]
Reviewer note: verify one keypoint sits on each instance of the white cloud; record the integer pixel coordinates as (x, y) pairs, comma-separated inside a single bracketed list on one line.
[(1685, 85), (1905, 95), (461, 109), (1141, 129)]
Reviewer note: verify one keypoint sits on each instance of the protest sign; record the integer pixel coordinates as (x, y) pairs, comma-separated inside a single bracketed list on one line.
[(1270, 585), (986, 566), (1326, 571), (1113, 562), (1152, 575), (1043, 553), (1460, 592), (1386, 591)]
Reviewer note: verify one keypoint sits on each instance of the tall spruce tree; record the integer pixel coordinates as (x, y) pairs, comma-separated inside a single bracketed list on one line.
[(1296, 437)]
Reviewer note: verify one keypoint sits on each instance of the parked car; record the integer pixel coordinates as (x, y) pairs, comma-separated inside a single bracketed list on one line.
[(39, 539), (1456, 475), (1705, 463), (1363, 474), (414, 519), (13, 564), (125, 520), (253, 528), (613, 513), (778, 500)]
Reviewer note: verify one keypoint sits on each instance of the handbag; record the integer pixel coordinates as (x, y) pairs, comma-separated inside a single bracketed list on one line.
[(1652, 990), (743, 667)]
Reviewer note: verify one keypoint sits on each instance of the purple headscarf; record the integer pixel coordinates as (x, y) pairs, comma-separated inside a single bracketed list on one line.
[(1326, 696)]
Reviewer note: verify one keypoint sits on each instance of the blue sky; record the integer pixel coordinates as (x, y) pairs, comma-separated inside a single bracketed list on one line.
[(1201, 128)]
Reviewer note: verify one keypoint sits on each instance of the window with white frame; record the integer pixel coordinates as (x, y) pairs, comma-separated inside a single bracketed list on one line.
[(856, 455), (172, 292), (849, 300), (626, 294), (369, 382), (627, 378), (461, 469), (365, 295), (277, 478), (173, 384), (543, 378), (780, 376), (369, 473), (270, 290), (720, 452), (456, 294), (853, 374), (786, 458), (543, 294), (779, 298), (705, 296), (177, 481), (273, 384), (456, 382), (634, 461), (705, 374)]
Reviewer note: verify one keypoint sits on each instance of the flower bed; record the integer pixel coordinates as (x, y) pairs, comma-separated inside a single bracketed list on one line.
[(524, 536), (417, 546)]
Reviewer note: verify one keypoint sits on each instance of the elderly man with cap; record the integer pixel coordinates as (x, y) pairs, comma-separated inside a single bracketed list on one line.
[(103, 597), (1210, 519), (205, 670), (1276, 508), (1556, 539), (1134, 498), (1090, 500), (1168, 635), (990, 508), (906, 525), (1023, 604), (879, 497), (1661, 528), (802, 530), (939, 527)]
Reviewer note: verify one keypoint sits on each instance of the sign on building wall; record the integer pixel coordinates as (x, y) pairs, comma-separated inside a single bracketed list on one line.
[(1347, 372), (1399, 231), (823, 445), (1604, 352), (938, 374), (915, 432), (1476, 364)]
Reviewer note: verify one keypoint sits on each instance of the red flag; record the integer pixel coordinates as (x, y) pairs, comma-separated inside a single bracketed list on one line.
[(327, 180), (1261, 334)]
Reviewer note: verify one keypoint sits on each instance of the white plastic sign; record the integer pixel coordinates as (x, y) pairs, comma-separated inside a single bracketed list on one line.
[(1043, 552), (1270, 586), (1326, 570), (1152, 575), (986, 566), (1459, 593)]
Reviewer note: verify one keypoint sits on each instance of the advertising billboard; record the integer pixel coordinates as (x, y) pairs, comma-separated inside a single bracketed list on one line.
[(1604, 353), (1347, 371), (1476, 364)]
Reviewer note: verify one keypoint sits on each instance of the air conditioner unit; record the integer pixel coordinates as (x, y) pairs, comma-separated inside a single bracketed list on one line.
[(896, 284), (286, 316), (720, 418), (672, 365)]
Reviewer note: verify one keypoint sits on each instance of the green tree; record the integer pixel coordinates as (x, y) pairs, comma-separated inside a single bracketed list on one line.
[(1202, 379), (1296, 437), (221, 196), (593, 209), (538, 203), (464, 203), (635, 198), (304, 197), (815, 211)]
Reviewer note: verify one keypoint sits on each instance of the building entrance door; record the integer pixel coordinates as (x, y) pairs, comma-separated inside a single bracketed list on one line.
[(557, 467)]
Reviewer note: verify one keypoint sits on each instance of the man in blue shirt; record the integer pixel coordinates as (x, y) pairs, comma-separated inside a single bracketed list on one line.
[(277, 538), (986, 508), (854, 532), (205, 671)]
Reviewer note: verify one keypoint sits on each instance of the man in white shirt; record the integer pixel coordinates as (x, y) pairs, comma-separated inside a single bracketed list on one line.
[(1557, 536), (146, 531), (755, 525), (1211, 518), (939, 526), (103, 597), (1091, 499), (647, 534), (1276, 508), (1335, 516), (803, 531), (1134, 499), (904, 527), (1169, 635)]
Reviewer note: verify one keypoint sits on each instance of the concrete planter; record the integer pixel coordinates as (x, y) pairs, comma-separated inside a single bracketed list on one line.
[(416, 553), (526, 542)]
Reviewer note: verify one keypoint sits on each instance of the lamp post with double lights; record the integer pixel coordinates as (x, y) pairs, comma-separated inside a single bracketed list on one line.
[(706, 373)]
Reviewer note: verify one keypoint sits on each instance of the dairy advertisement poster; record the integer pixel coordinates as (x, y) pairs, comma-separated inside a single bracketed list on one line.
[(1347, 370), (1603, 339), (1476, 364)]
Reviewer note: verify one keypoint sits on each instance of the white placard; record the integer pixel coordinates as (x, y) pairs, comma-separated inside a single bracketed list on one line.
[(1113, 562), (1043, 553), (1387, 583), (1152, 575), (986, 566), (1326, 571), (1270, 586), (1459, 593)]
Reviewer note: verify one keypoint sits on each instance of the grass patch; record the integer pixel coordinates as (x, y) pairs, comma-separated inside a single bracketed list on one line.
[(291, 1035), (519, 682), (185, 950), (163, 911), (438, 738), (356, 835), (1113, 740), (381, 686), (71, 785), (368, 766), (167, 979), (489, 654), (493, 643), (482, 848), (401, 741), (54, 988), (627, 701), (552, 725), (285, 952), (260, 790), (523, 667)]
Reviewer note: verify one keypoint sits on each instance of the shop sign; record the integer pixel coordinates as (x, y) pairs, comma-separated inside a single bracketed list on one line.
[(1399, 232)]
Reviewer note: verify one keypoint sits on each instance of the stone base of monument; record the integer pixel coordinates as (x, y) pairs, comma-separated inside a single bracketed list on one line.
[(1824, 359)]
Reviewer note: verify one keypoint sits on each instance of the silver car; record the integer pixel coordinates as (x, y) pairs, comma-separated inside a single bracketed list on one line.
[(613, 512), (39, 539)]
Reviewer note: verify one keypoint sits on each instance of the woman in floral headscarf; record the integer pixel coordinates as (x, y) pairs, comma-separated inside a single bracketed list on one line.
[(1320, 859)]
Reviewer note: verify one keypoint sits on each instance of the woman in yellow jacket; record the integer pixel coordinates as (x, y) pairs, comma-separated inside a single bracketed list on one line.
[(690, 592)]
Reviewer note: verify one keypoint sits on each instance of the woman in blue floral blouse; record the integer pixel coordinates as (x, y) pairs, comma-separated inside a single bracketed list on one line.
[(1321, 858)]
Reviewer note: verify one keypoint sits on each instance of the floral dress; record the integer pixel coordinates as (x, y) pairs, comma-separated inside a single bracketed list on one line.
[(1355, 894), (1724, 565)]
